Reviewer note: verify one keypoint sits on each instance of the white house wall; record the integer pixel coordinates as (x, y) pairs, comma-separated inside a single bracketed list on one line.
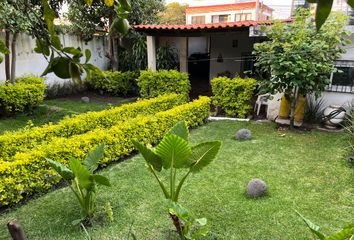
[(198, 45), (222, 44), (29, 62)]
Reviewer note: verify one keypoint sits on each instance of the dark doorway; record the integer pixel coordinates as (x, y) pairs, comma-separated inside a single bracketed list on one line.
[(199, 69)]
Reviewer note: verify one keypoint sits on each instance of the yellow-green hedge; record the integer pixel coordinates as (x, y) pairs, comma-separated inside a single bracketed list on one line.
[(28, 172), (24, 140), (25, 93)]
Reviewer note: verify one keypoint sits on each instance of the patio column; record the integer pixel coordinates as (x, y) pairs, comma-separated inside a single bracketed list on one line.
[(151, 52), (183, 54)]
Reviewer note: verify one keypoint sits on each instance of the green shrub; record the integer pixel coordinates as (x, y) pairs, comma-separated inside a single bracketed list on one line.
[(153, 84), (28, 172), (27, 92), (23, 140), (115, 83), (233, 95)]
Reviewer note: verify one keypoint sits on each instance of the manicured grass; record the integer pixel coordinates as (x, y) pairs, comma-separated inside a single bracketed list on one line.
[(304, 171), (54, 110)]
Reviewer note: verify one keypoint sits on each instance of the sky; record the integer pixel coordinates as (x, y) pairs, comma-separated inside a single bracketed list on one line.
[(281, 7)]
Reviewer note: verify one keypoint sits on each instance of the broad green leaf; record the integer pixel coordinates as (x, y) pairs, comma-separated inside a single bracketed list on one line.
[(180, 129), (75, 72), (314, 228), (201, 221), (125, 5), (87, 55), (93, 157), (55, 40), (322, 12), (101, 180), (89, 2), (61, 169), (42, 48), (351, 3), (203, 154), (60, 66), (72, 50), (149, 156), (179, 211), (345, 233), (82, 174), (174, 152)]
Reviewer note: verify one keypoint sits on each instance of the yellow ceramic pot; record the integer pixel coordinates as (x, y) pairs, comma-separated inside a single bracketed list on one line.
[(284, 110)]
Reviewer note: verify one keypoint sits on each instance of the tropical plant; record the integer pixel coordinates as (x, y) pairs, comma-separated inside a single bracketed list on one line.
[(83, 181), (344, 234), (314, 110), (166, 57), (175, 155), (298, 58)]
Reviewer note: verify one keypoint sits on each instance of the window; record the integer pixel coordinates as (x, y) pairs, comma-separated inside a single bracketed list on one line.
[(342, 81), (243, 17), (220, 18), (198, 19)]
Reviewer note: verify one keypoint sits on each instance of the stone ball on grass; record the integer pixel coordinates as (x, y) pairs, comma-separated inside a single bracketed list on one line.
[(243, 134), (85, 99), (256, 188)]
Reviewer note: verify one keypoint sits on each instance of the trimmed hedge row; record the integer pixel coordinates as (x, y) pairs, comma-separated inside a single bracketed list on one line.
[(116, 83), (29, 172), (153, 84), (233, 95), (24, 140), (27, 92)]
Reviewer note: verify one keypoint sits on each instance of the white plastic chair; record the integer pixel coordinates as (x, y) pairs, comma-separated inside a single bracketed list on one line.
[(261, 100)]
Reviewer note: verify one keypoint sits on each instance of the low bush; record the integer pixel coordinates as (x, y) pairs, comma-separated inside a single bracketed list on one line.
[(153, 84), (233, 95), (28, 172), (23, 140), (27, 92), (115, 83)]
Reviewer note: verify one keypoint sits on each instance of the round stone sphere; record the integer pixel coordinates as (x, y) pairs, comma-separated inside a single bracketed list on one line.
[(243, 134), (256, 188)]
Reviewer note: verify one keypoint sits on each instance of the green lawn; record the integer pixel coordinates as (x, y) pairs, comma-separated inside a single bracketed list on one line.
[(56, 109), (304, 171)]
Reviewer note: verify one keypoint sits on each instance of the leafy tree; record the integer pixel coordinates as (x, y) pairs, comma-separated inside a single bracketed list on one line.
[(65, 62), (14, 20), (175, 13), (86, 19), (298, 58)]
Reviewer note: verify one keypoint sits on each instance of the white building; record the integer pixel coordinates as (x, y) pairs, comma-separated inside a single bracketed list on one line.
[(241, 11)]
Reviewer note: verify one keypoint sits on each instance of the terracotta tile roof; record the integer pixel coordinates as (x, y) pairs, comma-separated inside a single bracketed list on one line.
[(226, 25), (224, 7)]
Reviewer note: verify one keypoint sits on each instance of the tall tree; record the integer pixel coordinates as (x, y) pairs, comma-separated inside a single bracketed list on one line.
[(14, 20), (175, 13), (298, 58), (86, 19)]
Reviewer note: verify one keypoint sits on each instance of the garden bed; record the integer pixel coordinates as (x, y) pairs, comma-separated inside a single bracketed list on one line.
[(304, 171)]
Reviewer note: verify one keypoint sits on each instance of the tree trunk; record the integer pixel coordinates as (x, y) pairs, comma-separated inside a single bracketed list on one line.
[(293, 106), (178, 224), (7, 56), (13, 58), (16, 230), (114, 52)]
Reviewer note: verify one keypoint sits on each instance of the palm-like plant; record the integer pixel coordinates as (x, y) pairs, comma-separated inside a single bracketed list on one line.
[(175, 155)]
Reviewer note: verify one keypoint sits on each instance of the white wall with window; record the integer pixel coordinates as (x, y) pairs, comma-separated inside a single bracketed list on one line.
[(225, 16)]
